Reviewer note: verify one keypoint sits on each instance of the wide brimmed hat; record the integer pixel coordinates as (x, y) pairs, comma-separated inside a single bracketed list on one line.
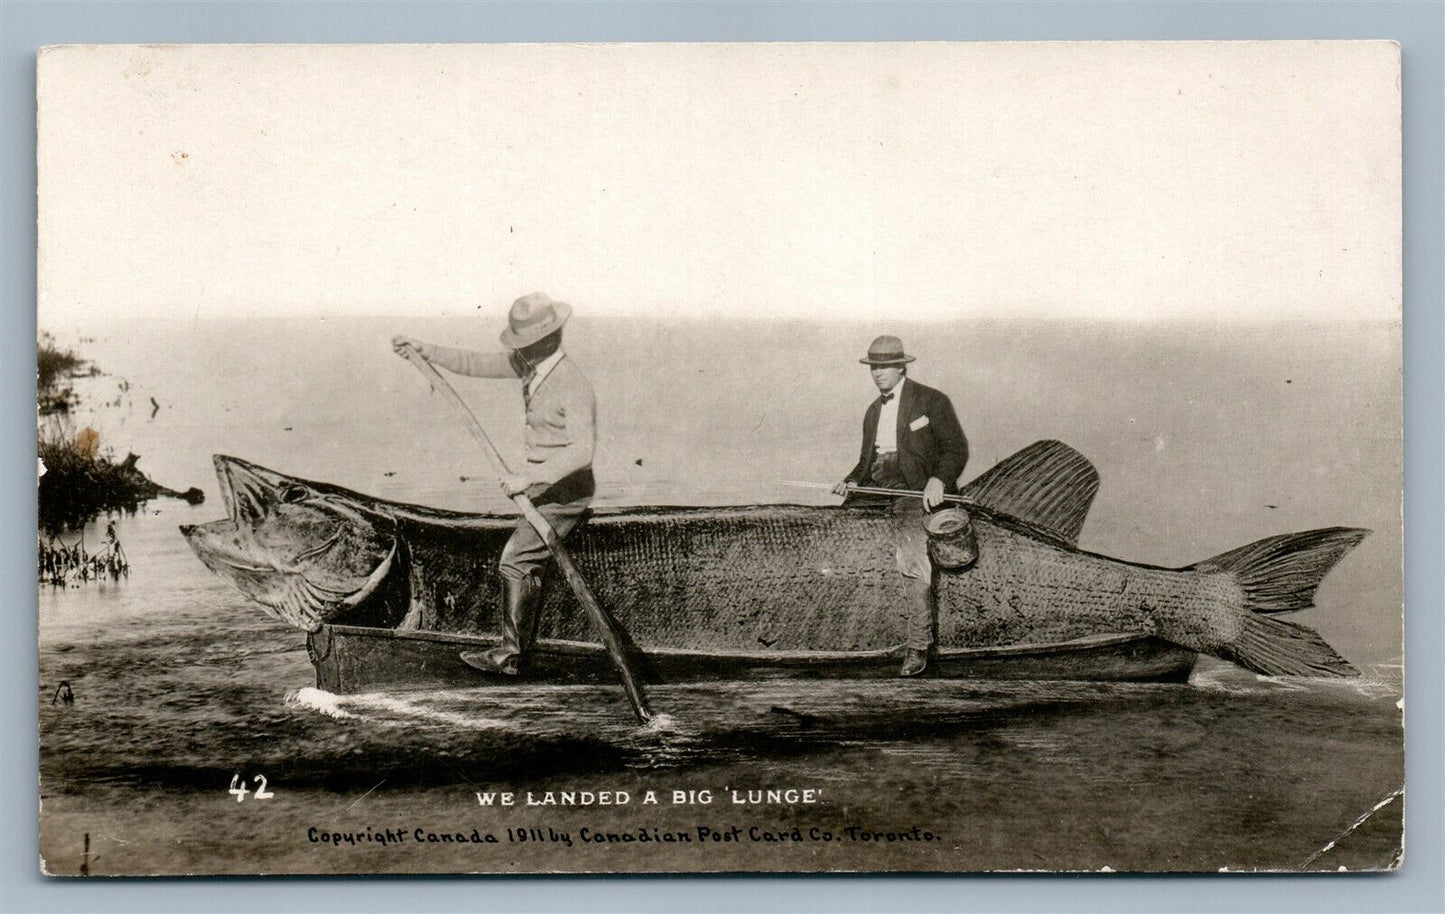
[(886, 350), (533, 317)]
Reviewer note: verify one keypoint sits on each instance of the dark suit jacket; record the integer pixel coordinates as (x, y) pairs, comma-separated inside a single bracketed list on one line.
[(930, 440)]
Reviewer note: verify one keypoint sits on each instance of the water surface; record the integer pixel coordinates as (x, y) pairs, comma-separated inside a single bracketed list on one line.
[(1205, 438)]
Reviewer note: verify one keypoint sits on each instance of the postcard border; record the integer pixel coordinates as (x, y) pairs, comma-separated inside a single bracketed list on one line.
[(1418, 28)]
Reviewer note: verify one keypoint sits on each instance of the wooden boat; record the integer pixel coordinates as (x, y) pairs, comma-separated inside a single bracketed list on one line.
[(354, 658)]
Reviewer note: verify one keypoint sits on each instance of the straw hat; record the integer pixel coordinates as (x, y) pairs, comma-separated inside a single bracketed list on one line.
[(533, 317), (886, 350)]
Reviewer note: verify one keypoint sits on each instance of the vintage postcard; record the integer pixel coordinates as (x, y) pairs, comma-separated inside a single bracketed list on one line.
[(720, 458)]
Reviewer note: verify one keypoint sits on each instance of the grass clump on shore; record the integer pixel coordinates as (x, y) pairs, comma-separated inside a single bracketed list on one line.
[(78, 483), (54, 368)]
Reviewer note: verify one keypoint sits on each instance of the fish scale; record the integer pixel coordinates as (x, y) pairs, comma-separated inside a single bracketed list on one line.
[(825, 579), (783, 577), (1023, 590)]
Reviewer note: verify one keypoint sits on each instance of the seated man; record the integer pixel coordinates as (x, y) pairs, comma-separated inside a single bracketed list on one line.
[(911, 441)]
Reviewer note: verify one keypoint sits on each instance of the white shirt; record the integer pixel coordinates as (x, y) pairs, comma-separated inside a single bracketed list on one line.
[(886, 440), (540, 372)]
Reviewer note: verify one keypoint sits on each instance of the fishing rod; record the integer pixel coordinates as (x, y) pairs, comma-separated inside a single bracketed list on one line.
[(874, 490)]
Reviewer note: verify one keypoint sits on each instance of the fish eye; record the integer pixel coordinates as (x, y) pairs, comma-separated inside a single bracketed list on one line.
[(290, 495)]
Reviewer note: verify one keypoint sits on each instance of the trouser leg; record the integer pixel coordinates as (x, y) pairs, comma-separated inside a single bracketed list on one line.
[(920, 614), (522, 566), (917, 570)]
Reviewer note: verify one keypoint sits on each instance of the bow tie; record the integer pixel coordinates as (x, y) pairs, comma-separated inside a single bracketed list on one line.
[(885, 398)]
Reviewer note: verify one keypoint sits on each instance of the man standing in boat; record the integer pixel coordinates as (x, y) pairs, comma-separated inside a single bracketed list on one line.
[(911, 441), (560, 436)]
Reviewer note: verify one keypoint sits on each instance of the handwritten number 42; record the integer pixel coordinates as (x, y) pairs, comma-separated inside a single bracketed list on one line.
[(238, 787)]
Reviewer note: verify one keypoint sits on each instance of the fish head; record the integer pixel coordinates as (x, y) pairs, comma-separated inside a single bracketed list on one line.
[(305, 551)]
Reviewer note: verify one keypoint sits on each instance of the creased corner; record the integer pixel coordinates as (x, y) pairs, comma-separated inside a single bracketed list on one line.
[(1394, 795)]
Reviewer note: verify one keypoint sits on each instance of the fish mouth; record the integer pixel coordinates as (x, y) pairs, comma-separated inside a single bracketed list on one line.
[(217, 544), (246, 489), (238, 547), (286, 593)]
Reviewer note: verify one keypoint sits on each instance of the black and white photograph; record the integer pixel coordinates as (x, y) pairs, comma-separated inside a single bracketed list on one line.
[(720, 458)]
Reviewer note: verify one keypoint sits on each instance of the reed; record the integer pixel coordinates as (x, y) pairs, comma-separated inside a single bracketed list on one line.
[(63, 564)]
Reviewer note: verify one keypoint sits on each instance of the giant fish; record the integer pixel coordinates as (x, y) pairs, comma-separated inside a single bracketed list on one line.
[(770, 581)]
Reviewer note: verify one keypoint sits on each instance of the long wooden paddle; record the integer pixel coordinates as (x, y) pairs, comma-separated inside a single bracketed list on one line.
[(607, 627)]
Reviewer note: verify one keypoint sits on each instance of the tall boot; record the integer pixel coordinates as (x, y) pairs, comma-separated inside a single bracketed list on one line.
[(524, 621), (519, 626)]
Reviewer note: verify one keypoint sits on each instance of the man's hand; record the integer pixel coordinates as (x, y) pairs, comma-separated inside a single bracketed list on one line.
[(933, 493), (515, 484), (400, 344), (842, 488)]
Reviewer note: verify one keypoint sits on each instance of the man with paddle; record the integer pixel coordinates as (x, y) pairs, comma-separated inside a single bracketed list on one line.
[(560, 435), (911, 441)]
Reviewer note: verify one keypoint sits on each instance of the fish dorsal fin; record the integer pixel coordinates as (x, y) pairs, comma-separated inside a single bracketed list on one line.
[(1048, 484)]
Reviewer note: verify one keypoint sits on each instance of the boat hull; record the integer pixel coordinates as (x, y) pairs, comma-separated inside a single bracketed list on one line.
[(351, 659)]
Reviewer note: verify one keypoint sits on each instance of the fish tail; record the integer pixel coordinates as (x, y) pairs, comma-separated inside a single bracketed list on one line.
[(1279, 574), (1274, 647)]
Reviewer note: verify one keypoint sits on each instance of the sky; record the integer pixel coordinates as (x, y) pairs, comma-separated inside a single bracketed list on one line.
[(1124, 180)]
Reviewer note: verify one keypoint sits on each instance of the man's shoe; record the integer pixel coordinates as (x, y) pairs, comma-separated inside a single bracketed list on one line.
[(914, 662), (496, 661)]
